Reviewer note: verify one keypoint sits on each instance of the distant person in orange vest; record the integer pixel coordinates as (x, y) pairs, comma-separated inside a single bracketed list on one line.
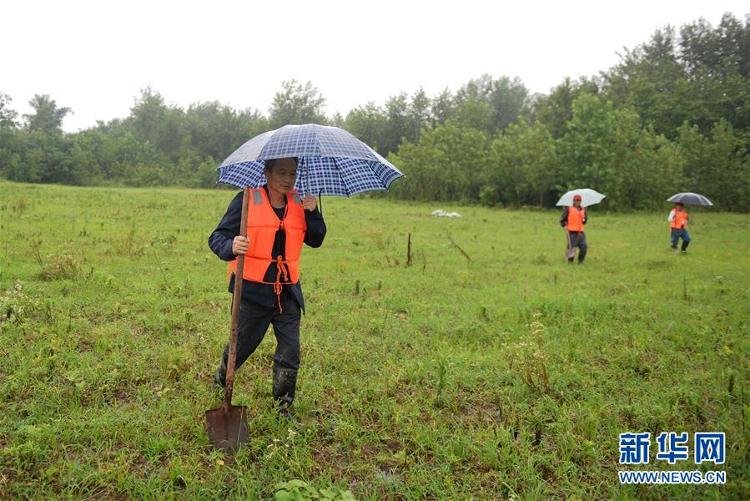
[(278, 223), (572, 219), (678, 220)]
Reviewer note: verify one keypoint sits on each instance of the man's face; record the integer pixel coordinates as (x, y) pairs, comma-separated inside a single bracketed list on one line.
[(282, 176), (577, 202)]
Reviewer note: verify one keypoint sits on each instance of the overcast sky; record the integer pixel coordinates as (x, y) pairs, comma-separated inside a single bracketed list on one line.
[(94, 57)]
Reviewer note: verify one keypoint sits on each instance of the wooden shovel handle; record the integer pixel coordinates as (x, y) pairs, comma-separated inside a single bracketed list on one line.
[(236, 300)]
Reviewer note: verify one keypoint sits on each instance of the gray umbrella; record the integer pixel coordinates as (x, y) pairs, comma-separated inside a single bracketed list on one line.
[(690, 199)]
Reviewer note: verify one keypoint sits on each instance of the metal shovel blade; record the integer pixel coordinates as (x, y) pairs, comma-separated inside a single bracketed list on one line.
[(227, 427)]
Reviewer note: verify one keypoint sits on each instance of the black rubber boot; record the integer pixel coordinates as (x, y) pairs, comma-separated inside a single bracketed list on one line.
[(220, 378), (284, 386)]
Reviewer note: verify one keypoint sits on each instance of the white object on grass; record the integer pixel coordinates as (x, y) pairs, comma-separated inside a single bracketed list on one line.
[(442, 213)]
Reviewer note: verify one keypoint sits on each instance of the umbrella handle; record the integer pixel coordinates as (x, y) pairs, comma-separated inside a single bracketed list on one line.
[(304, 177)]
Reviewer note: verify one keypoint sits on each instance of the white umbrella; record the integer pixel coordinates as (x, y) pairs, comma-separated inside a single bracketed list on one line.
[(588, 197)]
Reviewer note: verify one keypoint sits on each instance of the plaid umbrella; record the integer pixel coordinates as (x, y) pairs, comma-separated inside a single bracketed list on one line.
[(689, 198), (331, 161)]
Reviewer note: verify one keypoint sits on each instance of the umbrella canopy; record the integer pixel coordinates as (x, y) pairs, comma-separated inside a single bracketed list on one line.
[(331, 161), (690, 199), (588, 197)]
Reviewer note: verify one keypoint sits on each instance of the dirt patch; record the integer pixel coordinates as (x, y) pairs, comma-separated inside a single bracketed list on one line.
[(326, 458), (85, 345)]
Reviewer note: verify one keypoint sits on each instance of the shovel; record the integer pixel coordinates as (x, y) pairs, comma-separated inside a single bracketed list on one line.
[(227, 425)]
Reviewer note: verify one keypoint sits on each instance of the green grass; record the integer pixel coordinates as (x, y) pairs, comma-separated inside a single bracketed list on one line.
[(510, 375)]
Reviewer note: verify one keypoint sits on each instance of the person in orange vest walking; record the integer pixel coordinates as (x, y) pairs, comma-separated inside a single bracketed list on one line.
[(678, 220), (572, 219), (279, 222)]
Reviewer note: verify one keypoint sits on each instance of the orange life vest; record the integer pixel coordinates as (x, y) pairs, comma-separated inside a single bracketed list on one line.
[(680, 219), (262, 224), (575, 218)]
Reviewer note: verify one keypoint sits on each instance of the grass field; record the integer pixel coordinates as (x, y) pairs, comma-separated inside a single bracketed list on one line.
[(509, 375)]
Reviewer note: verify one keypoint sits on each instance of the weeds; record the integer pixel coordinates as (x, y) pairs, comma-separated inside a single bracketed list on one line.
[(20, 206), (129, 245), (16, 306), (298, 490), (60, 267), (534, 356)]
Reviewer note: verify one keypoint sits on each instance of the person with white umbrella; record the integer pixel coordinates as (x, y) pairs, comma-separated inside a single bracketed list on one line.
[(572, 219), (574, 216)]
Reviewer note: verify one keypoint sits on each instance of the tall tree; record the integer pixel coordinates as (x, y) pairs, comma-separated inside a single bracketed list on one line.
[(47, 116), (651, 79), (446, 164), (522, 167), (9, 137), (369, 123), (717, 62), (503, 99), (398, 129), (717, 165), (419, 113), (507, 99), (297, 103), (7, 114), (586, 154), (157, 123), (443, 108), (556, 109), (215, 130)]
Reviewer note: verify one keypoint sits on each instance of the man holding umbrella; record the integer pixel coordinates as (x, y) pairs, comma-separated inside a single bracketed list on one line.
[(278, 223), (574, 216), (265, 227), (678, 220), (572, 219), (678, 217)]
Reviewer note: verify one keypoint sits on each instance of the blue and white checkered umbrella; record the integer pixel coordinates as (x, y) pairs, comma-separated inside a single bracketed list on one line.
[(331, 161)]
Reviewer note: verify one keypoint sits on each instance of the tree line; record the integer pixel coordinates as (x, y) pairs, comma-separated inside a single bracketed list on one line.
[(672, 115)]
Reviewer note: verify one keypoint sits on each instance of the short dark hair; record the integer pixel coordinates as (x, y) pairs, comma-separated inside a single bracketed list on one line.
[(271, 161)]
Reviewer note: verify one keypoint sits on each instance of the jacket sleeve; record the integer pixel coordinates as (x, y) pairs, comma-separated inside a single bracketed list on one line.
[(670, 218), (316, 228), (564, 217), (220, 240)]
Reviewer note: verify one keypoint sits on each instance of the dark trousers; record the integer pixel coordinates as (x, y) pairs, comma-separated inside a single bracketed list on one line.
[(678, 233), (577, 239), (253, 324)]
